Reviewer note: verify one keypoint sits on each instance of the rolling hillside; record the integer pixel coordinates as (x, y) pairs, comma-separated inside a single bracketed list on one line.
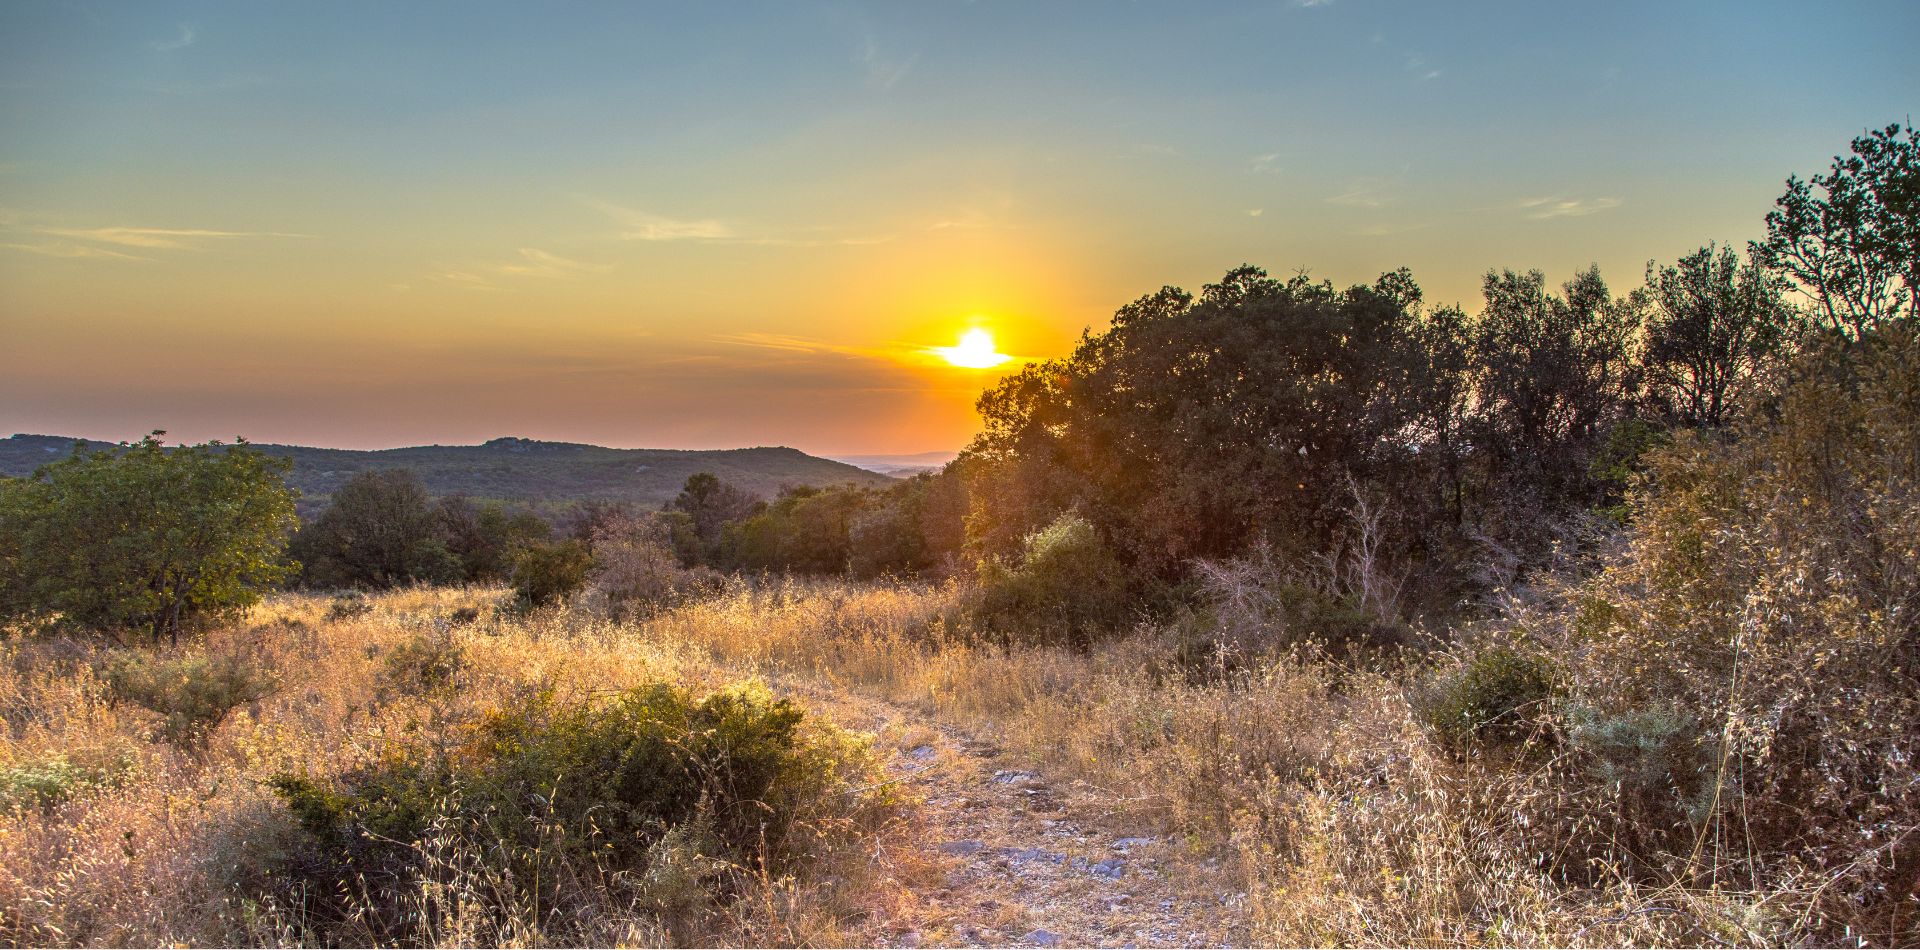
[(533, 473)]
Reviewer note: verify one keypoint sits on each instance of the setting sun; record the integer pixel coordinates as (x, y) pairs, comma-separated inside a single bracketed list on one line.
[(976, 351)]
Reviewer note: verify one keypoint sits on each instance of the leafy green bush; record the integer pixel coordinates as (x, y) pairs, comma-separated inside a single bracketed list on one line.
[(193, 696), (1497, 697), (143, 535), (650, 787), (1067, 587), (1650, 764), (548, 573), (52, 779)]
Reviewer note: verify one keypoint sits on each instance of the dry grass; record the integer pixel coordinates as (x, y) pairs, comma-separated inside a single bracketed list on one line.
[(165, 849), (1349, 826)]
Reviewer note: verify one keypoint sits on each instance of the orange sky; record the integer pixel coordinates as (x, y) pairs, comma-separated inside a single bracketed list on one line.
[(369, 225)]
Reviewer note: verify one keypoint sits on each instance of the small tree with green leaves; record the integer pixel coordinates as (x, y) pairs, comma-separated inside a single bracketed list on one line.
[(143, 536), (1853, 245)]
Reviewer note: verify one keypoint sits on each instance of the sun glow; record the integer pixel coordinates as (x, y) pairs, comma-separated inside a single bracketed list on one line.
[(976, 351)]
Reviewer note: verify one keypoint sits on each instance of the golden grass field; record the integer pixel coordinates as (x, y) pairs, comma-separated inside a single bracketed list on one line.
[(1313, 787)]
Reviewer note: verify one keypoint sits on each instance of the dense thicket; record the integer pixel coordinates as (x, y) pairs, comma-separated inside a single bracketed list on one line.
[(383, 530), (1339, 426)]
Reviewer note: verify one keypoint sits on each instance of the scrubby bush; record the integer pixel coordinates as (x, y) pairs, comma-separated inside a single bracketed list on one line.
[(1498, 696), (1067, 587), (548, 573), (1254, 606), (192, 696), (1768, 594), (1651, 769), (657, 800), (635, 566), (348, 606), (52, 779), (424, 664)]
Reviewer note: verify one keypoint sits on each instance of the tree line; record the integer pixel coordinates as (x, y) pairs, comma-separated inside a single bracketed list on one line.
[(1410, 456)]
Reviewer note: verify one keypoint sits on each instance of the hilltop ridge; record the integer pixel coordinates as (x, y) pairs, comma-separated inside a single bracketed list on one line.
[(516, 469)]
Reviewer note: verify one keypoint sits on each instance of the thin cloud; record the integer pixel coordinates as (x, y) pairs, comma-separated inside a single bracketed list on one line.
[(1541, 209), (1367, 194), (1156, 148), (1385, 230), (186, 38), (883, 71), (642, 226), (467, 279), (1268, 164), (1255, 212), (68, 249), (894, 352), (178, 239), (538, 263), (1417, 65), (647, 226), (973, 219)]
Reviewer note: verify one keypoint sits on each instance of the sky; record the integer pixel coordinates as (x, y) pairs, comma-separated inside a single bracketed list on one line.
[(710, 225)]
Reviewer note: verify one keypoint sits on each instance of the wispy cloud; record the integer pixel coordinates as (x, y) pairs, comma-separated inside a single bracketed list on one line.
[(893, 352), (186, 38), (1255, 212), (646, 226), (1421, 70), (1155, 148), (1268, 164), (1541, 209), (1385, 230), (972, 219), (538, 263), (179, 239), (68, 249), (799, 344), (464, 278), (1365, 194), (1309, 4), (884, 71)]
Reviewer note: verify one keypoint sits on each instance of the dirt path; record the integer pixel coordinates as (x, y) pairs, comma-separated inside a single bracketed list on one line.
[(1018, 860)]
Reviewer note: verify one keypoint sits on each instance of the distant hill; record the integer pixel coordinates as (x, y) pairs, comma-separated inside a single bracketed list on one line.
[(534, 474), (900, 466)]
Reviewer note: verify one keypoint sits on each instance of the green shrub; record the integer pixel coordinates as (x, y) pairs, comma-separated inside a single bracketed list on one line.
[(193, 696), (430, 561), (144, 536), (1650, 765), (52, 779), (626, 798), (1067, 587), (1497, 697), (548, 573), (424, 664)]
